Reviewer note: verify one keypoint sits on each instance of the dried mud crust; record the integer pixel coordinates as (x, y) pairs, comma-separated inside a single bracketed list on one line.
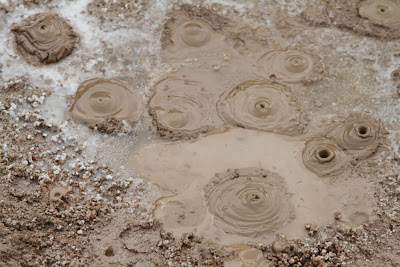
[(44, 38), (218, 22), (346, 15)]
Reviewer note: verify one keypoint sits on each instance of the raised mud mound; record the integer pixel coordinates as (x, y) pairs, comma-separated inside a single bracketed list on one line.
[(261, 105), (289, 66), (358, 136), (197, 23), (193, 33), (44, 38), (323, 157), (99, 99), (377, 18), (248, 202), (384, 12), (180, 108)]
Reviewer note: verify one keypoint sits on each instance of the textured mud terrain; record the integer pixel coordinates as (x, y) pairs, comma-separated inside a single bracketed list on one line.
[(199, 133)]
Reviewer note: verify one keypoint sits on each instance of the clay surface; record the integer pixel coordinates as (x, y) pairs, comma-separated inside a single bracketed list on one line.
[(155, 189), (324, 157), (363, 17), (58, 192), (261, 105), (99, 99), (358, 136), (188, 174), (289, 66), (248, 202), (181, 107), (44, 38), (384, 12)]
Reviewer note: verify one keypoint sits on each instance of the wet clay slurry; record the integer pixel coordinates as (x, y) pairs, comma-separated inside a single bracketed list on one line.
[(248, 202), (45, 37), (181, 170), (181, 107), (99, 99), (261, 105), (384, 12), (323, 157), (358, 136), (289, 66), (182, 212)]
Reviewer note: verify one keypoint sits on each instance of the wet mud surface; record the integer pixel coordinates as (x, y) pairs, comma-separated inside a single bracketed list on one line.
[(44, 38), (246, 133)]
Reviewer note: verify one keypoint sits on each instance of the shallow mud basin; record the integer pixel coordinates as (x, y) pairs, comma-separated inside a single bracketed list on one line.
[(186, 133)]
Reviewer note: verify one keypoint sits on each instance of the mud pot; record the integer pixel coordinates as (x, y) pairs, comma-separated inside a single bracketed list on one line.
[(190, 133)]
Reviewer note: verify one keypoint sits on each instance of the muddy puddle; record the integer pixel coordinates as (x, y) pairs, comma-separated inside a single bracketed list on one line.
[(244, 186), (240, 159)]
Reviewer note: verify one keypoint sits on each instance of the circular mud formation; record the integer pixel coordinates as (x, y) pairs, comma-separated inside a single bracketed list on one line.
[(323, 157), (261, 105), (194, 33), (182, 212), (99, 99), (248, 202), (289, 66), (44, 38), (358, 136), (382, 12), (58, 192), (376, 18), (180, 108)]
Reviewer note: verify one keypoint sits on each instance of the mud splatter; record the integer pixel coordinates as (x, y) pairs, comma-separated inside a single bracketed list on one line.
[(384, 12), (44, 38), (248, 202), (99, 99), (290, 66), (358, 136), (181, 108), (261, 105), (323, 157)]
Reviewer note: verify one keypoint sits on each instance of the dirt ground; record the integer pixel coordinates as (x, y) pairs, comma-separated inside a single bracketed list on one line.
[(199, 133)]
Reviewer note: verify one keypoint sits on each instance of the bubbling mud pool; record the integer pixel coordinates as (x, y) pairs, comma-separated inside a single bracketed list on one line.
[(243, 186), (246, 165)]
